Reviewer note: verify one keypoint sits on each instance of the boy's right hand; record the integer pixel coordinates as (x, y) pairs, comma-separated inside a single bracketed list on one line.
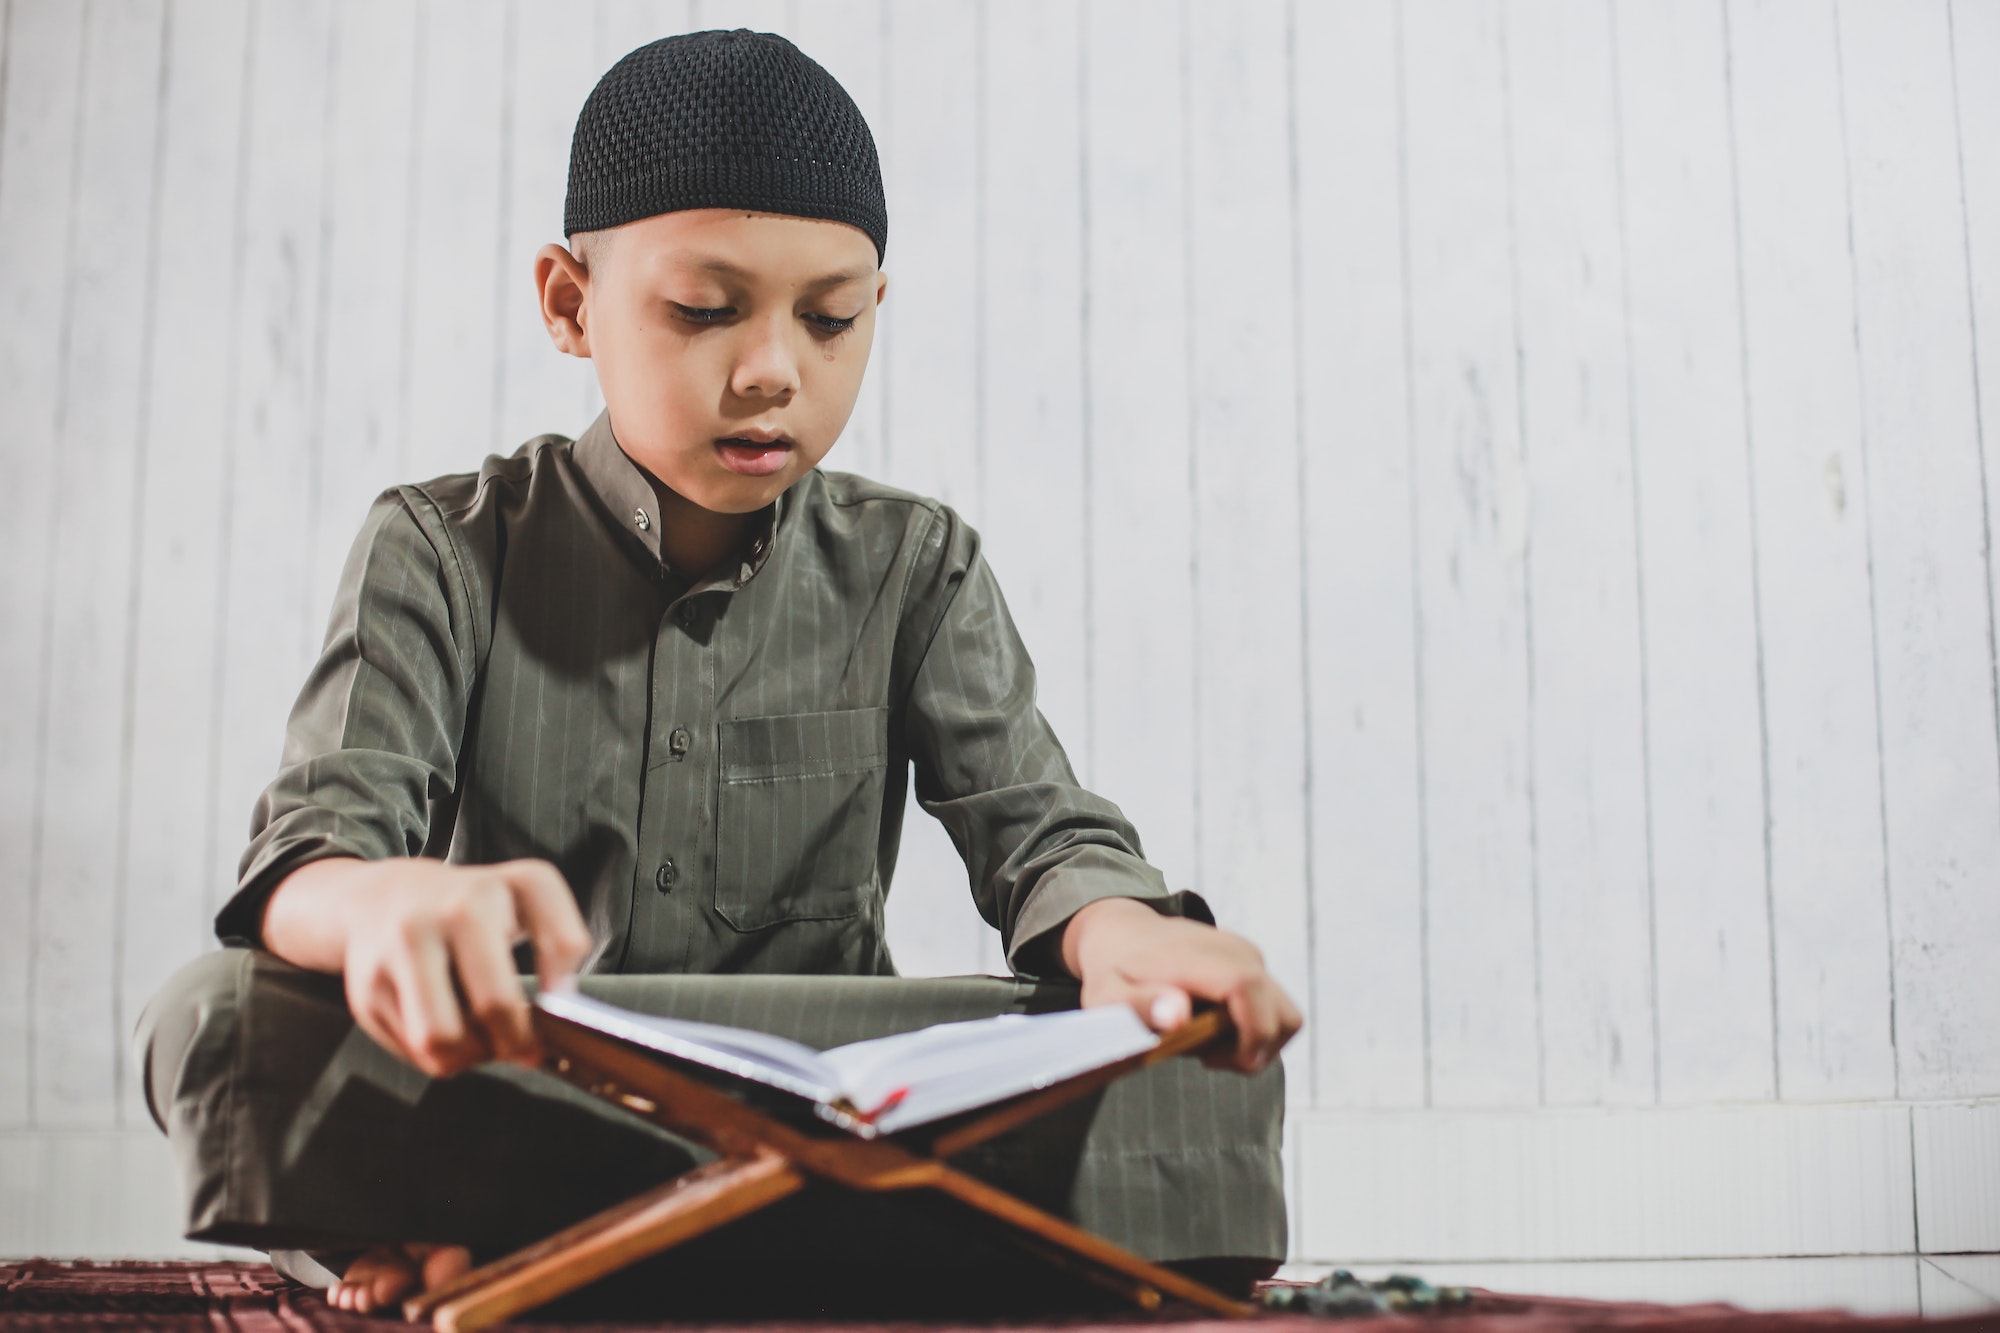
[(426, 950)]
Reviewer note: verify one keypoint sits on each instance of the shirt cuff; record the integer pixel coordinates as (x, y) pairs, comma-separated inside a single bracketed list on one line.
[(1093, 872), (241, 920)]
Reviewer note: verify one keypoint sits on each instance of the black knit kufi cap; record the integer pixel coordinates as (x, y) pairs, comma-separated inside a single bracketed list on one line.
[(720, 119)]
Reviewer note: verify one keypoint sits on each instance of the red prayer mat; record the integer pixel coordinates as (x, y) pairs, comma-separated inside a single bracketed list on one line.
[(217, 1297)]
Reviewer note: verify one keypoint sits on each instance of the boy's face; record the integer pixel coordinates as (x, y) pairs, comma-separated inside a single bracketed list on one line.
[(729, 344)]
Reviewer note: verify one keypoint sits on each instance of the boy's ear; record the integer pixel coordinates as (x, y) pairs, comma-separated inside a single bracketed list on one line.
[(881, 286), (561, 284)]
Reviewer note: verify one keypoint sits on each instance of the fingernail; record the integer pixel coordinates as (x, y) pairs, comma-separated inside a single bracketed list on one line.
[(1163, 1010)]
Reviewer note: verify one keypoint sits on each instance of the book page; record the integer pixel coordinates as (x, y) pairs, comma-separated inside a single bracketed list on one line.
[(982, 1059), (759, 1056)]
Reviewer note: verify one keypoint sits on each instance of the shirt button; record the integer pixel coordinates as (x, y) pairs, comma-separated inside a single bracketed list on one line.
[(688, 614), (678, 742), (642, 519), (664, 877)]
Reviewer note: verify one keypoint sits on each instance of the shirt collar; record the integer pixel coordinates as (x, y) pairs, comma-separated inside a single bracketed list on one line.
[(627, 495)]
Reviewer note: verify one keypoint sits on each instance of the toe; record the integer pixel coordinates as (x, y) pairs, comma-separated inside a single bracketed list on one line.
[(391, 1284), (443, 1263), (376, 1276)]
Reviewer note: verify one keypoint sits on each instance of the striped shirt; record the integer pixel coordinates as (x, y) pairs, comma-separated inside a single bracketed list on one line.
[(717, 767)]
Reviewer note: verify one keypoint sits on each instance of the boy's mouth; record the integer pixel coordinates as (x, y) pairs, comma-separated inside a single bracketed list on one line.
[(753, 458)]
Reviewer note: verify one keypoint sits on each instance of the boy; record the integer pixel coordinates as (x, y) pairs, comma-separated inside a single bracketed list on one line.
[(656, 690)]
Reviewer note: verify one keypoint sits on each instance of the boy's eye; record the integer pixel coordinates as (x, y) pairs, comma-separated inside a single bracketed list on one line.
[(704, 314), (831, 324)]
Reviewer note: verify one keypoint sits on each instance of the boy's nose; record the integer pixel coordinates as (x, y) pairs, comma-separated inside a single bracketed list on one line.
[(767, 367)]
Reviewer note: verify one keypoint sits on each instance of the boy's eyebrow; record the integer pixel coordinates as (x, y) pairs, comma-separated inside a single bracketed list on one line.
[(713, 264)]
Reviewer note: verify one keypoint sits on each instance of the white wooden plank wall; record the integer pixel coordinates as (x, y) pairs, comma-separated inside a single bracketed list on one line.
[(1139, 522), (1501, 492), (1355, 401), (1812, 516), (1470, 500), (97, 449), (1709, 961), (1919, 417)]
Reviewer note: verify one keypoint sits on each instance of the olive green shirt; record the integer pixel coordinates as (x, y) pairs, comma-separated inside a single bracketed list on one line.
[(717, 768)]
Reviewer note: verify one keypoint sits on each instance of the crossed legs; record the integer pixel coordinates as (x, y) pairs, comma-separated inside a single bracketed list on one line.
[(294, 1131)]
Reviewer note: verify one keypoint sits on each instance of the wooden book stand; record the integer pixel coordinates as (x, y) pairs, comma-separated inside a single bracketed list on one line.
[(764, 1158)]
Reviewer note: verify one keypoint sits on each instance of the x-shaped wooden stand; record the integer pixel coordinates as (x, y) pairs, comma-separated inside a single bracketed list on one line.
[(763, 1159)]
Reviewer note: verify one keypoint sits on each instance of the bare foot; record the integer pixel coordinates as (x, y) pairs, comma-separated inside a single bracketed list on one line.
[(386, 1274)]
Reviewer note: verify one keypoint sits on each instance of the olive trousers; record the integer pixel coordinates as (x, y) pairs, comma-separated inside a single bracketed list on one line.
[(294, 1131)]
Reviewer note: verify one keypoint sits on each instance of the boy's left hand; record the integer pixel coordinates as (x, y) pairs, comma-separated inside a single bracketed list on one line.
[(1126, 953)]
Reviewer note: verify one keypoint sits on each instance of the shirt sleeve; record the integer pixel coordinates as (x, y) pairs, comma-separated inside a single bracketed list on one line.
[(1037, 846), (371, 749)]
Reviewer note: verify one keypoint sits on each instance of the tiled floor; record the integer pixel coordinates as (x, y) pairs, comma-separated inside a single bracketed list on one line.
[(1934, 1285)]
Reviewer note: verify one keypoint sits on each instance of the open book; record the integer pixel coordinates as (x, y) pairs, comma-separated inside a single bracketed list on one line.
[(889, 1083)]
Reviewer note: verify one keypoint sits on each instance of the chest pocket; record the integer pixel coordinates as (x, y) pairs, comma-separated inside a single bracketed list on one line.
[(798, 815)]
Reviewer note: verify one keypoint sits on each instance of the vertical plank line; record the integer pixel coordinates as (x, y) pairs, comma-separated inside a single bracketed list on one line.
[(128, 686), (28, 1020), (510, 28), (412, 209), (1638, 534), (1978, 403), (1416, 531), (1194, 443), (596, 43), (233, 378), (1310, 1000), (316, 439), (597, 35), (980, 58), (1874, 620), (1087, 374), (1527, 553), (886, 141), (60, 425), (6, 70), (1756, 575), (1916, 1184)]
